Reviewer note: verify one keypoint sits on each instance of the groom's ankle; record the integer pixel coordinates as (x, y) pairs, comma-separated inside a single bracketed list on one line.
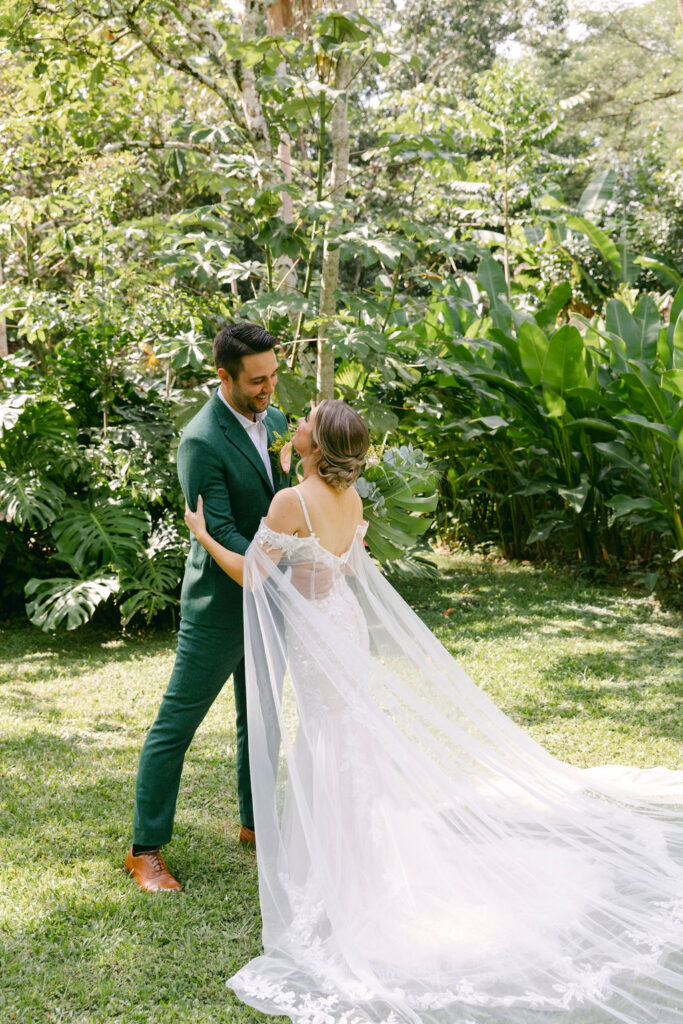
[(138, 850)]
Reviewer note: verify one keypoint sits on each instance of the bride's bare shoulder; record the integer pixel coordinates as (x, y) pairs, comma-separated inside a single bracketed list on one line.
[(357, 502), (284, 514)]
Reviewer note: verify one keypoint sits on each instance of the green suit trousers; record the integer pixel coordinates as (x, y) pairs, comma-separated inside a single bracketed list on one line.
[(206, 657), (217, 459)]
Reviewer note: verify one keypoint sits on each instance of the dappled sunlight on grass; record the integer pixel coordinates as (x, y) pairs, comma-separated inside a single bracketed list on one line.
[(80, 943), (594, 673)]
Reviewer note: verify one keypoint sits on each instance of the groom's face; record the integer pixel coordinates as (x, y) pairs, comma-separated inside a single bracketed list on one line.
[(249, 392)]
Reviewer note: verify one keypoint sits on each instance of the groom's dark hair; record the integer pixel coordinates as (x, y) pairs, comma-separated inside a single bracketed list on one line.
[(237, 340)]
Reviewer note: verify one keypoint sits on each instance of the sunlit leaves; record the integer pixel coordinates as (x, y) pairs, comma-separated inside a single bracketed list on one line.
[(29, 499), (67, 603), (100, 532), (602, 242), (559, 423), (597, 193), (564, 367), (533, 350), (397, 491)]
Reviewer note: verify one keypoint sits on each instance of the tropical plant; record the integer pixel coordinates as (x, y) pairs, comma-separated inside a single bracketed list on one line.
[(573, 440), (392, 214), (398, 489)]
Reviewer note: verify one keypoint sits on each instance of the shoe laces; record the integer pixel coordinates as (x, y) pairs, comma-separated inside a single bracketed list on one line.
[(159, 862)]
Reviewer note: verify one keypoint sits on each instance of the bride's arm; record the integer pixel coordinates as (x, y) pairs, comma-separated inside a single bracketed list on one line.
[(283, 517), (229, 561)]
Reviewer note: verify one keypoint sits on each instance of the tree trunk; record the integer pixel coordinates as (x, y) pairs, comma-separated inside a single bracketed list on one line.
[(251, 102), (4, 350), (339, 137), (279, 18), (279, 21)]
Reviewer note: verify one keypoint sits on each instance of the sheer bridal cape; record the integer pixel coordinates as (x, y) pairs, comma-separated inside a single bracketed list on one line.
[(420, 858)]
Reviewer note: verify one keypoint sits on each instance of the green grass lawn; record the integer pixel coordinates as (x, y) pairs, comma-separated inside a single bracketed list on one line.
[(594, 673)]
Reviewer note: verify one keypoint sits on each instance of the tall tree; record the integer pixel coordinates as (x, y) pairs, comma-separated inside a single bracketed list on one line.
[(621, 76), (339, 138)]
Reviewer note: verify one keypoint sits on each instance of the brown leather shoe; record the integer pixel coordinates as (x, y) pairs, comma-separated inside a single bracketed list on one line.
[(247, 835), (150, 872)]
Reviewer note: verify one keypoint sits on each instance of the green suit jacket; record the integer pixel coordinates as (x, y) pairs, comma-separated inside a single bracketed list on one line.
[(217, 459)]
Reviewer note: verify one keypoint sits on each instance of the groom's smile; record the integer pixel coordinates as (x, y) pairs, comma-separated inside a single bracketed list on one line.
[(249, 392)]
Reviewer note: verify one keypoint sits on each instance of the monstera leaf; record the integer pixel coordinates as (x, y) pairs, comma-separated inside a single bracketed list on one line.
[(40, 428), (67, 602), (27, 499), (397, 492), (100, 532), (11, 409)]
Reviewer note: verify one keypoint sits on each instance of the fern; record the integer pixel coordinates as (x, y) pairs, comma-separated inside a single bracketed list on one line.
[(152, 588)]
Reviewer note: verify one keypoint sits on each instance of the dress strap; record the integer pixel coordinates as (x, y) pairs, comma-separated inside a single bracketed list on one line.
[(305, 511)]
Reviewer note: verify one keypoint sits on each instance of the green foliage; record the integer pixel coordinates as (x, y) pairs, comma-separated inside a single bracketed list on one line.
[(398, 490), (67, 602), (28, 500), (99, 533), (617, 76), (573, 439), (140, 208), (84, 507), (152, 589)]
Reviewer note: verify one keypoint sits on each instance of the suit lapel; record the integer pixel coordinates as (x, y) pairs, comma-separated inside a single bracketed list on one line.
[(235, 432)]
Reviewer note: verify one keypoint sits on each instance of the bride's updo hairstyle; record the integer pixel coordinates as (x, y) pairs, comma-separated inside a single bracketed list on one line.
[(343, 440)]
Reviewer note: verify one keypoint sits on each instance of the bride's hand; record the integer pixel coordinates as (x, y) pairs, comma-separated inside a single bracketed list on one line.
[(195, 520)]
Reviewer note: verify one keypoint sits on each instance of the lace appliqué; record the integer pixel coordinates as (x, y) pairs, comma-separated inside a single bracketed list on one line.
[(291, 545)]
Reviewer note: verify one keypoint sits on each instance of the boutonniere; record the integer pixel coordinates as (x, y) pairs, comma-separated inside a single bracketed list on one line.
[(281, 448)]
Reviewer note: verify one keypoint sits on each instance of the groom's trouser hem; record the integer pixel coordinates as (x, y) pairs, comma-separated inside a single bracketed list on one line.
[(205, 659)]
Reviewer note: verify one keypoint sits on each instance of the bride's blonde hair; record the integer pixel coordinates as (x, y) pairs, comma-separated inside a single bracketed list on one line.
[(343, 440)]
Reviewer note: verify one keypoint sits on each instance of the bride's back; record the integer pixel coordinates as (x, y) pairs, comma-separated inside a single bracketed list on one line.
[(333, 516), (332, 441)]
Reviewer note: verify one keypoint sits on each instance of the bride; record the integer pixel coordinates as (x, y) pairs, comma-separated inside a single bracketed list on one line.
[(420, 858)]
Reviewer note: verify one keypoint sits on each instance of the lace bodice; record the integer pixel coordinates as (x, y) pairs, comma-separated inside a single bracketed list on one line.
[(300, 549), (320, 576)]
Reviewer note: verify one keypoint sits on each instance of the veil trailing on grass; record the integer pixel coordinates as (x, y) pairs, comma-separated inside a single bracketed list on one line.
[(420, 858)]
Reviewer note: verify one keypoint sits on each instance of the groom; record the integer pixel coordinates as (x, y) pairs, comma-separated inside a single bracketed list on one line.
[(223, 455)]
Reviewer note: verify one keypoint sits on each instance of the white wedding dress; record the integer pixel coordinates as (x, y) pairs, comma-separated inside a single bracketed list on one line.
[(420, 858)]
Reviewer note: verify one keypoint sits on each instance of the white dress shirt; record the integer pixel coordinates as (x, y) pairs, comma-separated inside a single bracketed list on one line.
[(256, 429)]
